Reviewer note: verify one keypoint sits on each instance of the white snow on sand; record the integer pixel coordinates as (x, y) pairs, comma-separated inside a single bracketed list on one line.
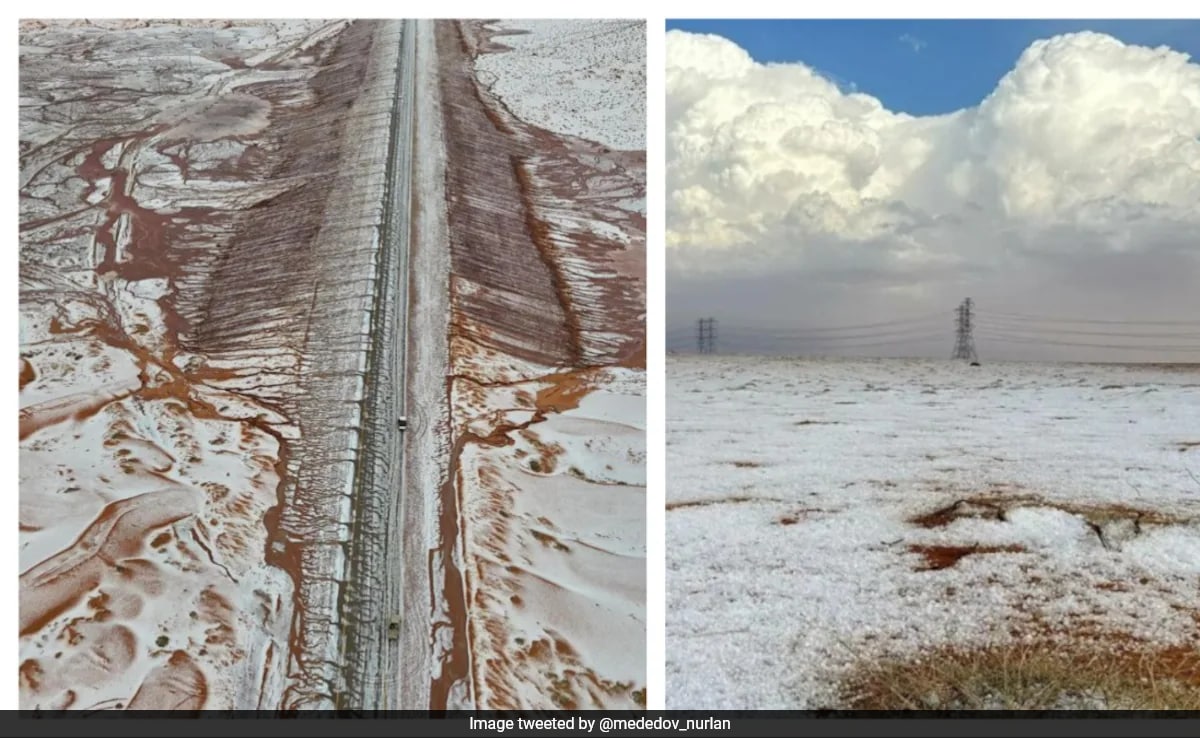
[(584, 78), (792, 485), (146, 478), (556, 553), (551, 472)]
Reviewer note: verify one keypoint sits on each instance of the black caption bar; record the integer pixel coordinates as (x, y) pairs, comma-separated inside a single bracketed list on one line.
[(1059, 724)]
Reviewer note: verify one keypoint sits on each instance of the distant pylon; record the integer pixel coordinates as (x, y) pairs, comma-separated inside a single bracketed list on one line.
[(706, 335), (964, 341)]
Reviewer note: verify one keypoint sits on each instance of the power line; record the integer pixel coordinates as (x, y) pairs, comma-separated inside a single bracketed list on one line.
[(1066, 331), (1044, 319), (837, 329), (1000, 327), (818, 337), (905, 339), (1010, 338)]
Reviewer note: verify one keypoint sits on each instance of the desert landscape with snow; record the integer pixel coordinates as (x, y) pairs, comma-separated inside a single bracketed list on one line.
[(547, 352), (332, 364), (857, 533)]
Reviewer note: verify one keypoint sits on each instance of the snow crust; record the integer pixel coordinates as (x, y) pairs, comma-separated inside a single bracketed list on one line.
[(584, 78), (792, 488)]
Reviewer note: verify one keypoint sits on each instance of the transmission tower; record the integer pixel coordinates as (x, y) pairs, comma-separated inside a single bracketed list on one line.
[(964, 341), (706, 335)]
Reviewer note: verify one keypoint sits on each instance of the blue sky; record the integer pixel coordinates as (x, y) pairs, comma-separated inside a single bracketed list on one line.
[(924, 67)]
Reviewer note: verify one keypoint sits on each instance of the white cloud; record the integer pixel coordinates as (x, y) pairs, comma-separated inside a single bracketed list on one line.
[(913, 42), (1086, 146)]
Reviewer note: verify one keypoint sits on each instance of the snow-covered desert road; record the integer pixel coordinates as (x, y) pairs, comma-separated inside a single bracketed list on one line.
[(373, 600), (317, 335), (215, 218)]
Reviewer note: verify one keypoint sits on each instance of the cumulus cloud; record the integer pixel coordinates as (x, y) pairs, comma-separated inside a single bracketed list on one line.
[(1085, 156)]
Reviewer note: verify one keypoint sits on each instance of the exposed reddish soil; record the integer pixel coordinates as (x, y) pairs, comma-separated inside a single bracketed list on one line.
[(705, 503), (995, 505), (242, 281), (176, 685), (565, 391), (27, 372), (797, 516), (117, 533), (523, 287), (960, 509), (523, 300), (516, 301), (944, 557)]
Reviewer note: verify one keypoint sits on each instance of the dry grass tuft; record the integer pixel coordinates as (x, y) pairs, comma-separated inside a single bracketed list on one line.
[(1043, 676)]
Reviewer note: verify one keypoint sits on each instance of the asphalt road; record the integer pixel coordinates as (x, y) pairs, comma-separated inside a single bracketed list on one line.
[(373, 597)]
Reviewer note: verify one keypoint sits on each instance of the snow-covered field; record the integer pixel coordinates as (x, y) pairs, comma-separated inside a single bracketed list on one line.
[(583, 78), (822, 512)]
